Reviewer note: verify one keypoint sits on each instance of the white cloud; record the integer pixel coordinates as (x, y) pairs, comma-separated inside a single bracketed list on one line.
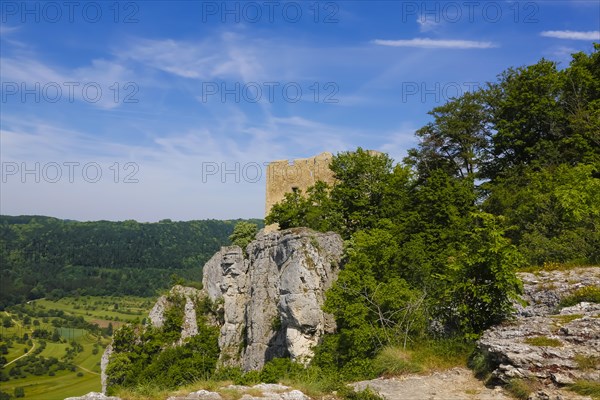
[(99, 77), (436, 43), (572, 35), (427, 25)]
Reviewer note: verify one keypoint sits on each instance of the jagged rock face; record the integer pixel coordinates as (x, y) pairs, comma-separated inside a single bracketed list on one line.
[(271, 301), (190, 326), (576, 331), (103, 365)]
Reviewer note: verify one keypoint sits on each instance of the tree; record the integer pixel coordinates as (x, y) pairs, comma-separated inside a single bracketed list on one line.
[(243, 234), (7, 322), (528, 118), (457, 140), (553, 214), (19, 392), (361, 182)]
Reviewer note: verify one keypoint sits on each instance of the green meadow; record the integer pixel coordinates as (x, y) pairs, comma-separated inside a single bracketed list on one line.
[(52, 349)]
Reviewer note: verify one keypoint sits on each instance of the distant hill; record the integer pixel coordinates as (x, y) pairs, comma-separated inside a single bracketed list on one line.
[(48, 257)]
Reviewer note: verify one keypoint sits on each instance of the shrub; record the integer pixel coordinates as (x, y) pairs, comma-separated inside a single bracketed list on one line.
[(279, 368), (481, 365), (365, 394)]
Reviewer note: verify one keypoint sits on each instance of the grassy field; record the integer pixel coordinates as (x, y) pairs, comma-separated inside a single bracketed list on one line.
[(86, 377)]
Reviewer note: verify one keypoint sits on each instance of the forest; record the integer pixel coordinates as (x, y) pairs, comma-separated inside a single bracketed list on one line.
[(49, 257)]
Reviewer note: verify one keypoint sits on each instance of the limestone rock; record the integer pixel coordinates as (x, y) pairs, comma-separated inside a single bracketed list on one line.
[(103, 364), (267, 392), (190, 326), (575, 331), (271, 301), (94, 396)]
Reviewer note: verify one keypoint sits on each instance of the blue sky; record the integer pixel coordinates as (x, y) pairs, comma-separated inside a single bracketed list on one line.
[(149, 110)]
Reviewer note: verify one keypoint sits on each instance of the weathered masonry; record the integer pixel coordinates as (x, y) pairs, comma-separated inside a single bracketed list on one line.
[(284, 176)]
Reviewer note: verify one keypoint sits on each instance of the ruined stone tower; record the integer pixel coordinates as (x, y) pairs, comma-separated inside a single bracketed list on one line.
[(284, 176)]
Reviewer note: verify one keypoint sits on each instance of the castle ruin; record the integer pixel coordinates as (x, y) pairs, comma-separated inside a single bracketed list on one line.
[(284, 176)]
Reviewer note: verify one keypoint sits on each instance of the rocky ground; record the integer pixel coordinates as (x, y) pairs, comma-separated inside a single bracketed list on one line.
[(455, 384), (553, 345)]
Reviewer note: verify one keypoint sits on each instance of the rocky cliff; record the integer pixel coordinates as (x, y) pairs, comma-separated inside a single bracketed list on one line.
[(546, 342), (271, 300), (266, 299)]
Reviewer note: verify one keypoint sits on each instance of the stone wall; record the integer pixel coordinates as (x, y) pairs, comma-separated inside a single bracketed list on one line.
[(285, 176)]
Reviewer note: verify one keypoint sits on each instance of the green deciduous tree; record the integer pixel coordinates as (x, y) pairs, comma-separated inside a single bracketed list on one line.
[(243, 234)]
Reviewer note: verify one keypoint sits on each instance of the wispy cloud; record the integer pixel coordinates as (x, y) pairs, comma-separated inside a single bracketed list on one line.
[(436, 43), (32, 73), (5, 30), (220, 57), (427, 25), (572, 35)]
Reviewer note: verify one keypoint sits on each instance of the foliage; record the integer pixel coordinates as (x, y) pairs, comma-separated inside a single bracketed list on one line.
[(502, 177), (457, 140), (553, 214), (365, 394), (279, 368), (147, 355), (243, 233)]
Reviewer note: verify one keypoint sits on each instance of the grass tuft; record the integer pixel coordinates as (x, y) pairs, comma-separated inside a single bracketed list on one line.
[(520, 388), (589, 294), (585, 363), (543, 341), (424, 357), (586, 388), (565, 319)]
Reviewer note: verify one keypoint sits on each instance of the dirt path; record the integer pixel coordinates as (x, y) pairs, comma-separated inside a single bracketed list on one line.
[(87, 370), (24, 355), (454, 384)]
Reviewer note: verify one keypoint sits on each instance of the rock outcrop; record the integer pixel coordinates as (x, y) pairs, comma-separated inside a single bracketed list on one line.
[(94, 396), (263, 391), (555, 346), (190, 295), (103, 365), (271, 301)]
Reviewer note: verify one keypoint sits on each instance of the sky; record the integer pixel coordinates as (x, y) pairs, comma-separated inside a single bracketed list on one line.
[(148, 110)]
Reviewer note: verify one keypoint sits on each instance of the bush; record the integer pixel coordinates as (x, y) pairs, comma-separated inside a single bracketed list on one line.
[(365, 394), (19, 392), (278, 369)]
